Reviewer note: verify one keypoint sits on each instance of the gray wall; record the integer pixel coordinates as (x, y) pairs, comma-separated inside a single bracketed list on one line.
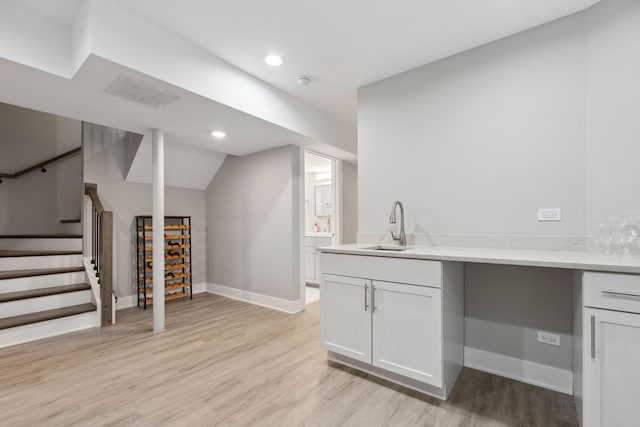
[(36, 202), (349, 202), (613, 110), (475, 143), (104, 165), (506, 306), (253, 222)]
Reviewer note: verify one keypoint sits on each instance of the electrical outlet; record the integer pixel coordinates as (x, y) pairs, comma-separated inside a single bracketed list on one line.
[(554, 214), (548, 338)]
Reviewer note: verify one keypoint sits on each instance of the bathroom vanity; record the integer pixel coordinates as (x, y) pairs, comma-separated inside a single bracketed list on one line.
[(313, 241), (399, 315)]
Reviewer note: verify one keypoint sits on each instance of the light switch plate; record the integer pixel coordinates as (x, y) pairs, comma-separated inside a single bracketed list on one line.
[(552, 214)]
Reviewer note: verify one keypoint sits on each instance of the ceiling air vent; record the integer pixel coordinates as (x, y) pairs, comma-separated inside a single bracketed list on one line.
[(140, 91)]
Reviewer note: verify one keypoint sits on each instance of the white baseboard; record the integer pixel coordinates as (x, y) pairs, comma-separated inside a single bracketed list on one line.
[(132, 301), (257, 299), (126, 302), (49, 328), (521, 370)]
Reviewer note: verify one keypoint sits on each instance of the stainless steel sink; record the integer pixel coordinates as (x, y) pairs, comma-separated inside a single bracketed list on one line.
[(387, 248)]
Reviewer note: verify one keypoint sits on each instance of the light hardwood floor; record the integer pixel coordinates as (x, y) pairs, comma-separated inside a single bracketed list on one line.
[(226, 363)]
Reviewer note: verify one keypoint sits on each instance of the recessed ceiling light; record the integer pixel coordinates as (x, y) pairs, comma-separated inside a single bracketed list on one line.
[(218, 134), (274, 60)]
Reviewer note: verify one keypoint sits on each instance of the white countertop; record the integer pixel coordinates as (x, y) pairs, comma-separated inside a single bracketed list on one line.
[(526, 257)]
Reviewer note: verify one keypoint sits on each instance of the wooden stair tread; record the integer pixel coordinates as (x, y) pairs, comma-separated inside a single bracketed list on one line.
[(41, 236), (14, 274), (35, 293), (9, 254), (70, 221), (27, 319)]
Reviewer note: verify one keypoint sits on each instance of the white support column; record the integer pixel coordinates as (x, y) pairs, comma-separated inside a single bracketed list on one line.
[(157, 141)]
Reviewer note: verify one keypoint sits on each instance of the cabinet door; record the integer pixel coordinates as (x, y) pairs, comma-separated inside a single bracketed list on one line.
[(407, 330), (611, 368), (310, 262), (345, 316)]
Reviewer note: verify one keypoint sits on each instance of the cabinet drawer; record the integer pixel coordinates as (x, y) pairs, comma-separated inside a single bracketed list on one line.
[(612, 291), (399, 270), (318, 241)]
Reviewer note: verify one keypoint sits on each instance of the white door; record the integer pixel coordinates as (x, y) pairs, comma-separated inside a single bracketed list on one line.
[(345, 316), (407, 330), (310, 261), (611, 368)]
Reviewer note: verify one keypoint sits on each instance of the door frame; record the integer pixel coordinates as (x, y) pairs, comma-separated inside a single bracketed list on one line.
[(336, 193)]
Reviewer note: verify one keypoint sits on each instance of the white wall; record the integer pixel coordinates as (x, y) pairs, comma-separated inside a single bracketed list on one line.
[(104, 165), (253, 224), (475, 143), (349, 202), (613, 110)]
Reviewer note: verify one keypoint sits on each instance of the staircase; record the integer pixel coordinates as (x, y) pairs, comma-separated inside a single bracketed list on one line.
[(43, 288)]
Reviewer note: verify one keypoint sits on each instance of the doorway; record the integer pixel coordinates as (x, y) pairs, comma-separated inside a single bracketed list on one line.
[(320, 216)]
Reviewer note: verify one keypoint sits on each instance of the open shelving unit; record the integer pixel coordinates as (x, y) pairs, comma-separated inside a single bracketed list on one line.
[(177, 258)]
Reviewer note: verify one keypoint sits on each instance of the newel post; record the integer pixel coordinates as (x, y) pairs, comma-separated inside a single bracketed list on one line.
[(106, 267)]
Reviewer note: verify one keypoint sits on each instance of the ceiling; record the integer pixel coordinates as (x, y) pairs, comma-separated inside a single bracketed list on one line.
[(191, 118), (340, 45)]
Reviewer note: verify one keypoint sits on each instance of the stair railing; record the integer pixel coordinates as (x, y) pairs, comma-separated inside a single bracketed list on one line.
[(40, 165), (101, 254)]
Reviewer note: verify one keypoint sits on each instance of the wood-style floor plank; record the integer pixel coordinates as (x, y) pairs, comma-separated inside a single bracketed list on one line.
[(227, 363)]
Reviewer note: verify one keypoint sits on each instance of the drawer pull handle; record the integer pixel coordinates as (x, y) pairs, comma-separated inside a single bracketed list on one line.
[(373, 298), (620, 294), (593, 337), (366, 290)]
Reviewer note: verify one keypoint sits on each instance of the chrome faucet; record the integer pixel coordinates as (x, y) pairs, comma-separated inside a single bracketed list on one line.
[(402, 238)]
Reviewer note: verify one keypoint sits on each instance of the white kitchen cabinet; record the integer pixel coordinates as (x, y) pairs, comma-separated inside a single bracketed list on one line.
[(411, 333), (407, 330), (611, 368), (345, 308), (611, 350)]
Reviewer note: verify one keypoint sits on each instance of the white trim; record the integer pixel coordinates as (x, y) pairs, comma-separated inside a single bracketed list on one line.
[(522, 370), (199, 288), (49, 328), (302, 218), (257, 299), (126, 302), (129, 301)]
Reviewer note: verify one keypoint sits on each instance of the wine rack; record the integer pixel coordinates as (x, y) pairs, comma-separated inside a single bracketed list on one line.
[(177, 258)]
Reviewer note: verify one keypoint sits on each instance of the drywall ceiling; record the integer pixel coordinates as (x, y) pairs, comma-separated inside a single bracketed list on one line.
[(342, 45), (186, 121), (28, 137), (48, 65), (215, 49)]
